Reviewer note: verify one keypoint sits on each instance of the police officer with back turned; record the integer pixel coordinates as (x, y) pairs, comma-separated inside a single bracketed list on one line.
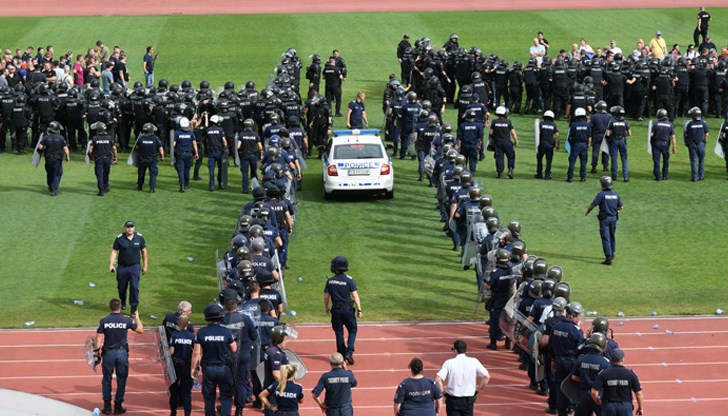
[(339, 293), (54, 148), (130, 247), (112, 335), (148, 147), (609, 204)]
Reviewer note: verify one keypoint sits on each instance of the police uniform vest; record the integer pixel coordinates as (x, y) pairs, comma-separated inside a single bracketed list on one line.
[(183, 142), (54, 145), (427, 136), (409, 113), (501, 76), (545, 76), (114, 327), (92, 112), (547, 129), (529, 75), (339, 287), (501, 129), (214, 340), (6, 106), (148, 147), (619, 129), (616, 82), (663, 86), (20, 118), (214, 139), (279, 207), (331, 74), (248, 140), (579, 132), (683, 77), (183, 343), (500, 281), (103, 146), (695, 131), (662, 131), (470, 133), (44, 106), (578, 101)]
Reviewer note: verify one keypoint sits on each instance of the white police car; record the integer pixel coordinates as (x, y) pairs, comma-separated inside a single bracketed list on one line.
[(356, 161)]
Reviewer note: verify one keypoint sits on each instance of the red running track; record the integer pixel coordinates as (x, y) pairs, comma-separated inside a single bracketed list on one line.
[(681, 373)]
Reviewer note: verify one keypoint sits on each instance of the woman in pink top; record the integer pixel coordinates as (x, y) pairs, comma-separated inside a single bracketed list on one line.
[(78, 71)]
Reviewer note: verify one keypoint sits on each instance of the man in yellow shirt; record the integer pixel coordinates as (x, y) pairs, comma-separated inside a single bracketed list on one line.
[(658, 45)]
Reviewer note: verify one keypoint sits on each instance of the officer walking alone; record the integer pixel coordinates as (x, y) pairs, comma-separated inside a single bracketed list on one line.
[(131, 249), (111, 343), (54, 148), (609, 204), (339, 293), (148, 147)]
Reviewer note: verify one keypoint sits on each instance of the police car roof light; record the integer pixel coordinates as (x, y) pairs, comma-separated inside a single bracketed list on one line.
[(356, 132)]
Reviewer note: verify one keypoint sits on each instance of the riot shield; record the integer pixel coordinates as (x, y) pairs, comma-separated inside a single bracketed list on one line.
[(718, 149), (88, 155), (221, 271), (35, 159), (429, 164), (649, 137), (235, 149), (294, 360), (604, 147), (570, 388), (536, 132), (171, 147), (165, 358), (516, 326), (224, 169), (88, 353), (133, 159), (279, 285)]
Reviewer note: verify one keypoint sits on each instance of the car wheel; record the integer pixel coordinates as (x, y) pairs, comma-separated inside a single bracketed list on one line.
[(389, 194)]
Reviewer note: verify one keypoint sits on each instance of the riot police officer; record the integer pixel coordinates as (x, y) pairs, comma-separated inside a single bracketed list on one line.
[(501, 284), (216, 146), (548, 134), (54, 148), (185, 150), (585, 372), (333, 77), (148, 148), (563, 342), (614, 387), (617, 132), (663, 132), (470, 139), (214, 345), (598, 123), (609, 204), (250, 150), (245, 334), (341, 299), (579, 138), (695, 136), (181, 345), (502, 131), (103, 151)]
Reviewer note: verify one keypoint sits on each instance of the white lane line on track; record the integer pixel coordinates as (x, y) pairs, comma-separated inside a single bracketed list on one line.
[(46, 345)]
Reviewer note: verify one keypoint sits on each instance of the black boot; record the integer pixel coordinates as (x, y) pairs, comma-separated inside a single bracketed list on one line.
[(181, 188), (510, 173), (508, 343), (107, 408), (420, 178), (238, 411), (118, 409), (492, 346)]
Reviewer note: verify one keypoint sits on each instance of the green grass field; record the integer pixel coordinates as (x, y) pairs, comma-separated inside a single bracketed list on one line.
[(670, 236)]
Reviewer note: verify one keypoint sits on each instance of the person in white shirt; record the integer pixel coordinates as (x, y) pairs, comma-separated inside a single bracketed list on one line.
[(614, 48), (463, 386)]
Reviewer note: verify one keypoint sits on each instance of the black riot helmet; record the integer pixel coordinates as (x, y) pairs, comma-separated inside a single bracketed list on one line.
[(492, 224), (606, 182), (514, 227), (562, 290), (540, 267), (502, 256), (548, 288), (600, 324), (411, 97), (474, 193), (163, 83), (597, 341), (486, 201), (204, 85), (214, 312), (555, 273), (339, 264), (466, 177), (186, 84), (229, 85), (54, 127), (518, 249)]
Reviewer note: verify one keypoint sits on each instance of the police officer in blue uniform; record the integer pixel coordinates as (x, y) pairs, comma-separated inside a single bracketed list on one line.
[(598, 123), (181, 345), (131, 249), (407, 118), (695, 136), (617, 132), (470, 139), (609, 204), (112, 345), (600, 325), (274, 359), (338, 384), (250, 149), (245, 334), (501, 283), (501, 130), (356, 115), (149, 147), (585, 372), (614, 386), (565, 338), (339, 294), (214, 345), (171, 320), (185, 150), (216, 146), (54, 148), (548, 133), (579, 137), (103, 151), (663, 132)]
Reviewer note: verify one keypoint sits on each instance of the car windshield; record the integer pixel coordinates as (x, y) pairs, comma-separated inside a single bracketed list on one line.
[(358, 151)]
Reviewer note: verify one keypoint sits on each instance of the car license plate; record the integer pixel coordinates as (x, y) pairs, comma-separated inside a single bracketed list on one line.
[(358, 172)]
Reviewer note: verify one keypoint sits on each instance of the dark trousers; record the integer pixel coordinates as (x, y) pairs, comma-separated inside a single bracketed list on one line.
[(102, 168), (697, 33), (596, 150), (504, 148), (471, 155), (494, 330), (459, 406), (580, 151), (619, 146), (697, 160), (607, 231), (181, 389), (214, 378), (344, 317), (76, 130), (547, 150), (563, 369), (213, 159), (660, 149), (586, 405), (21, 138), (153, 167), (183, 164), (54, 171), (347, 410), (116, 360), (4, 129), (129, 277), (333, 92), (249, 169), (616, 409), (242, 381)]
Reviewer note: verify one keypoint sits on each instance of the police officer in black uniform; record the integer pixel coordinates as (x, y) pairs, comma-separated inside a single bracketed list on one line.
[(548, 140), (470, 139), (614, 386), (171, 320), (337, 383), (54, 148), (102, 150), (214, 346), (663, 132), (695, 135), (181, 344), (609, 204), (339, 294), (250, 151), (598, 123), (501, 130), (565, 338), (313, 75), (131, 249), (618, 131), (585, 372), (21, 121), (112, 347), (148, 148), (185, 150), (501, 284), (216, 146), (333, 77)]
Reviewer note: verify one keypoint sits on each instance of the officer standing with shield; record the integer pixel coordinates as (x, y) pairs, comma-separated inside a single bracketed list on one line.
[(112, 345), (609, 204), (54, 148), (548, 134), (585, 372), (148, 147), (339, 293), (181, 345), (213, 348)]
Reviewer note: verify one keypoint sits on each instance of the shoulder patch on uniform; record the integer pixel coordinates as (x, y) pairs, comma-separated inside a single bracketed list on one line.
[(349, 276), (140, 234), (119, 235)]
